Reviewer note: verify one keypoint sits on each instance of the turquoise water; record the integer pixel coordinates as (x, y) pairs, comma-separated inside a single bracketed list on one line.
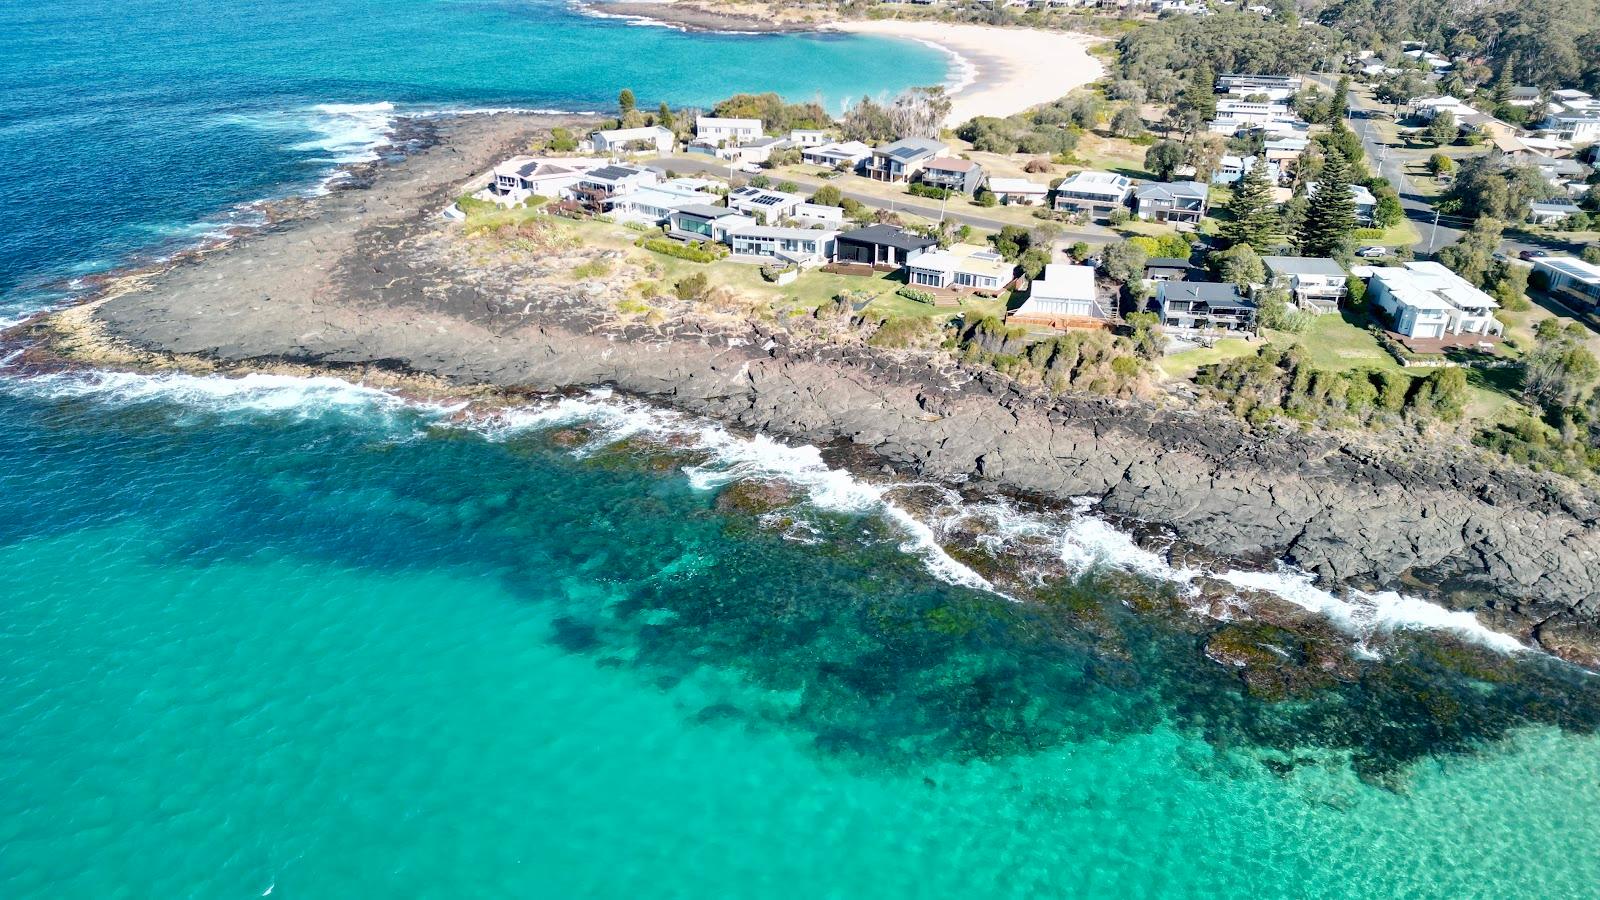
[(142, 124), (288, 636)]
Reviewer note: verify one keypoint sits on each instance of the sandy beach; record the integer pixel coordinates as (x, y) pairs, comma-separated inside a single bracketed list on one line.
[(1011, 69)]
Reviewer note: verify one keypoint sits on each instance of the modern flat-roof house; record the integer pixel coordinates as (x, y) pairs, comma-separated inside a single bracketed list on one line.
[(1018, 191), (1204, 306), (902, 160), (652, 205), (521, 177), (1547, 212), (881, 246), (1572, 280), (1428, 301), (767, 207), (596, 190), (960, 175), (1176, 201), (704, 222), (1232, 168), (1167, 268), (727, 131), (1315, 284), (819, 214), (801, 246), (963, 267), (1093, 193), (1277, 87), (1065, 297), (652, 138), (833, 155), (1579, 127)]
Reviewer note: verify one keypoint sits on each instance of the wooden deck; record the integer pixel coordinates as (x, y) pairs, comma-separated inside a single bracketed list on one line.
[(1480, 342), (1058, 323)]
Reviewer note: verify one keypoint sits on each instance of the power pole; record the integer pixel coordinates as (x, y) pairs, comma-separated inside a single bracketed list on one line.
[(1433, 239)]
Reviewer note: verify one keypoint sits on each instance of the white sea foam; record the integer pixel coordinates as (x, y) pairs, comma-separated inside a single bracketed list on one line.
[(304, 397), (349, 132)]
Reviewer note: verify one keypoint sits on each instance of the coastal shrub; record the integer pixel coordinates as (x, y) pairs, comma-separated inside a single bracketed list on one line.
[(1118, 216), (911, 293), (562, 140), (692, 287), (640, 226), (472, 206), (927, 190), (695, 252), (1283, 383), (594, 268), (905, 331)]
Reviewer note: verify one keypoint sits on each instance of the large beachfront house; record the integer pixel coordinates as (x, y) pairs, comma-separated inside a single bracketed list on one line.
[(881, 246), (962, 267), (952, 174), (1315, 284), (1064, 298), (652, 205), (596, 190), (521, 177), (726, 132), (1093, 193), (849, 154), (652, 138), (1204, 306), (1572, 280), (766, 206), (1177, 201), (801, 246), (902, 160), (704, 222), (1428, 301)]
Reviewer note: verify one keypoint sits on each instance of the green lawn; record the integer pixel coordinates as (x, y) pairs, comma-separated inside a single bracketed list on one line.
[(1184, 365), (1338, 343), (1401, 234)]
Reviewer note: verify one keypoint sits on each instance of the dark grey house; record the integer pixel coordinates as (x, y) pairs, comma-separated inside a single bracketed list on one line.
[(1204, 306), (884, 246)]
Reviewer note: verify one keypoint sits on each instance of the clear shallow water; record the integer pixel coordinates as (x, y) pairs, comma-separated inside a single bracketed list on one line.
[(312, 639), (144, 123)]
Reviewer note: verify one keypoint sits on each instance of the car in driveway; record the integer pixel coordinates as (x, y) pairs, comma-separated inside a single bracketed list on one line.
[(1532, 254), (1373, 252)]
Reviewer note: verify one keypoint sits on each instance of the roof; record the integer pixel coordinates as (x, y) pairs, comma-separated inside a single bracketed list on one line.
[(1212, 293), (1574, 268), (1167, 262), (612, 173), (706, 210), (1304, 265), (952, 164), (1429, 285), (888, 236), (775, 231), (719, 121), (1171, 190), (1017, 186), (845, 148), (1557, 205), (965, 258), (634, 134), (1064, 282), (755, 196), (911, 148)]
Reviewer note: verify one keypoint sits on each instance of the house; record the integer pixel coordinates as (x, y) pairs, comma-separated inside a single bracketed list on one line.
[(1275, 87), (521, 177), (1169, 268), (1093, 193), (1572, 280), (960, 175), (1548, 212), (801, 246), (1285, 153), (727, 132), (1232, 168), (1253, 112), (1064, 298), (818, 214), (1204, 306), (704, 222), (1316, 285), (901, 161), (1175, 201), (598, 188), (651, 205), (1579, 127), (849, 154), (808, 137), (1428, 301), (1428, 108), (962, 267), (1523, 95), (651, 138), (758, 150), (1018, 191), (881, 246), (765, 206), (1366, 205)]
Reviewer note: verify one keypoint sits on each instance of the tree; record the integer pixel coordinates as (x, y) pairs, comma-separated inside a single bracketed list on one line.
[(562, 140), (1472, 257), (1591, 254), (625, 103), (1560, 369), (1442, 130), (664, 115), (1331, 213), (1439, 164), (1388, 212), (1124, 262), (1205, 152), (828, 195), (1033, 261), (1240, 265), (1163, 158), (1252, 214), (1200, 97), (1012, 241), (1339, 103), (1127, 122)]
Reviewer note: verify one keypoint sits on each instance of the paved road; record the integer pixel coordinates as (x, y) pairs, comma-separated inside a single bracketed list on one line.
[(912, 205)]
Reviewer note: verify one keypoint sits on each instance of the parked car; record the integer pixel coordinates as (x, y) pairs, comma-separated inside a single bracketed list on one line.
[(1373, 252), (1533, 254)]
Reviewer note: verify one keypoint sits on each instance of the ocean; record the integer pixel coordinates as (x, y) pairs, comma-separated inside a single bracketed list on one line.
[(295, 637)]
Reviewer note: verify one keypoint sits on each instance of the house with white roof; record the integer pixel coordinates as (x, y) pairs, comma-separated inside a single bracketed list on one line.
[(1274, 87), (1232, 168), (1093, 193), (1428, 108), (521, 177), (765, 206), (1064, 297), (1572, 280), (651, 138), (1315, 284), (1018, 191), (598, 189), (800, 246), (962, 267), (1428, 301), (652, 205), (808, 137), (819, 214), (727, 132), (835, 154)]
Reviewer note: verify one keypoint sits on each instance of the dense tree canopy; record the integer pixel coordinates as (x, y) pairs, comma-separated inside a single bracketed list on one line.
[(1162, 56)]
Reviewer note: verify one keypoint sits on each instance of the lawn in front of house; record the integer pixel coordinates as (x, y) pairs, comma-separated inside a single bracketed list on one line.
[(1184, 365)]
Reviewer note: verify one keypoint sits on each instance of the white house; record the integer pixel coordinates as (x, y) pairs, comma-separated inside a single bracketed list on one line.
[(1428, 108), (1064, 298), (1576, 282), (1274, 87), (1018, 191), (808, 137), (1315, 284), (832, 155), (1232, 168), (651, 138), (1548, 212), (727, 131), (652, 205), (801, 246), (521, 177), (704, 222), (766, 207), (1093, 193), (818, 214), (961, 267), (598, 189), (1426, 300)]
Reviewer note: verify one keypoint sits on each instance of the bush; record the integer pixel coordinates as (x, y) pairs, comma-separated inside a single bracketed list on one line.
[(927, 190), (696, 252), (986, 197), (911, 293), (1119, 216), (692, 287), (594, 268)]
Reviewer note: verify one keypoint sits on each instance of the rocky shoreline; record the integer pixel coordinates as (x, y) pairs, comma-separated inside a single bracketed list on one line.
[(690, 17), (358, 283)]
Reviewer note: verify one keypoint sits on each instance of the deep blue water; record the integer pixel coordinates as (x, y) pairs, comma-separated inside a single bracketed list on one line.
[(143, 123)]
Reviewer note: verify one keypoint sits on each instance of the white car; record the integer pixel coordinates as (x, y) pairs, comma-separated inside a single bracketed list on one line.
[(747, 168), (1373, 252)]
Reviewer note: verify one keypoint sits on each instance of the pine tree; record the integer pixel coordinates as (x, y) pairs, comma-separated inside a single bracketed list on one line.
[(625, 103), (664, 115), (1201, 95), (1339, 103), (1253, 217), (1331, 213)]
